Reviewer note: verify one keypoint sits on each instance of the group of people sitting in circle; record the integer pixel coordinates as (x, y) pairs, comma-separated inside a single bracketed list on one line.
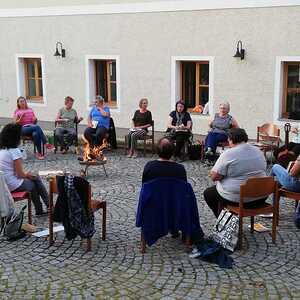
[(233, 167)]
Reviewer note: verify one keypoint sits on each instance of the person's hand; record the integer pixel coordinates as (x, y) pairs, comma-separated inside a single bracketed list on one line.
[(80, 119), (295, 130), (31, 176), (90, 125)]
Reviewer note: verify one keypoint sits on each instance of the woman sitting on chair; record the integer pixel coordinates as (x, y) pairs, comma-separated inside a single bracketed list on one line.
[(25, 116), (179, 127), (98, 123), (11, 164), (141, 121), (65, 120), (220, 125)]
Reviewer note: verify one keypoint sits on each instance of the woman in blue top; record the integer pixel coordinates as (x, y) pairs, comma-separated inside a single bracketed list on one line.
[(98, 123)]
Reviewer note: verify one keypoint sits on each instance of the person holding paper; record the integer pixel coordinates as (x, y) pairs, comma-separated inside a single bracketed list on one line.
[(98, 123), (25, 116), (141, 121), (11, 164), (66, 119)]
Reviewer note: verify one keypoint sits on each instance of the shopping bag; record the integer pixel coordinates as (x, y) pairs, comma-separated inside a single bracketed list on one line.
[(226, 229)]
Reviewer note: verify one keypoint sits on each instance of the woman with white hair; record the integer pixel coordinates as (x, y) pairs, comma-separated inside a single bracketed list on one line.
[(220, 125)]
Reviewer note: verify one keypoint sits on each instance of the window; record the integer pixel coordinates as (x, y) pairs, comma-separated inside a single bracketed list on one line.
[(106, 80), (291, 91), (194, 82), (33, 79)]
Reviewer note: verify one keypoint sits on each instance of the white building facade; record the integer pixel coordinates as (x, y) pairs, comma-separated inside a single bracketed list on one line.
[(161, 50)]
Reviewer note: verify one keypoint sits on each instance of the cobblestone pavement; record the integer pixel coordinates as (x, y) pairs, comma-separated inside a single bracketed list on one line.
[(115, 268)]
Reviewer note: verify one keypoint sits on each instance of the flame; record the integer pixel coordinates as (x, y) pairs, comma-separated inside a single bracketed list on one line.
[(94, 153)]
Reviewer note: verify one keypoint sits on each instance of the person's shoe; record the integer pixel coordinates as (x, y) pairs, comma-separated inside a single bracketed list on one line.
[(129, 155), (39, 156), (195, 253), (64, 151), (135, 155), (49, 146), (209, 152)]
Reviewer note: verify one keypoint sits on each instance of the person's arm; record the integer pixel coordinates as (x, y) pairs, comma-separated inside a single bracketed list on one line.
[(17, 118), (170, 120), (148, 122), (89, 121), (215, 176), (234, 123), (34, 118), (18, 166), (58, 117), (219, 170), (295, 170), (188, 125)]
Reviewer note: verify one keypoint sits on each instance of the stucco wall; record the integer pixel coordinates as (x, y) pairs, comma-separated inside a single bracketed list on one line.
[(146, 43)]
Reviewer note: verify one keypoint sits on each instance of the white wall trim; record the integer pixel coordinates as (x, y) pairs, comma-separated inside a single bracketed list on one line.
[(174, 80), (20, 77), (89, 80), (146, 7), (278, 87)]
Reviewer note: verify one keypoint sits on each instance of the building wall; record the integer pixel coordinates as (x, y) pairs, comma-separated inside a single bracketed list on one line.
[(146, 43)]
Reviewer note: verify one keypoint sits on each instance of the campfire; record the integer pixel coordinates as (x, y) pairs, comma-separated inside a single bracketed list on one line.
[(95, 153)]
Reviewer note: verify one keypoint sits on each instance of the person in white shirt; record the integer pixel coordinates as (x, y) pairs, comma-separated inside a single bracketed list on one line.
[(232, 169), (11, 164)]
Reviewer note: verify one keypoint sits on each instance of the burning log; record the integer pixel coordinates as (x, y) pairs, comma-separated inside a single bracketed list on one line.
[(94, 153)]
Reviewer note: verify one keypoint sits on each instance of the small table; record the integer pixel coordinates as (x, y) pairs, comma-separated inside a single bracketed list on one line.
[(90, 163)]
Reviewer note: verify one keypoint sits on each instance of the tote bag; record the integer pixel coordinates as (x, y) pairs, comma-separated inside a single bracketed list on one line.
[(226, 230)]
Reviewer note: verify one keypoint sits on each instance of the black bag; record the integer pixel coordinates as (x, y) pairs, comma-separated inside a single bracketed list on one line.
[(12, 226), (194, 151)]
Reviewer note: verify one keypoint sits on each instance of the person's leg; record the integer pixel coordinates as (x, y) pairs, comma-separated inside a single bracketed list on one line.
[(213, 200), (180, 139), (71, 135), (41, 189), (100, 135), (59, 132), (285, 179), (135, 136), (29, 186), (210, 141), (37, 140), (88, 135)]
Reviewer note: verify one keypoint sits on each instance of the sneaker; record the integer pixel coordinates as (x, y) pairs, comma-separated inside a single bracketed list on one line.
[(209, 152), (195, 253), (49, 146), (39, 156)]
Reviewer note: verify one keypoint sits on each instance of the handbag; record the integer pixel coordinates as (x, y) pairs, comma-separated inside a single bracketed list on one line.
[(226, 230), (12, 226), (297, 216), (194, 151)]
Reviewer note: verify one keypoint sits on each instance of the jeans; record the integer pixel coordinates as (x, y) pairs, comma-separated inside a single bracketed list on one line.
[(213, 139), (287, 181), (37, 135), (64, 135), (216, 202), (95, 136), (37, 190)]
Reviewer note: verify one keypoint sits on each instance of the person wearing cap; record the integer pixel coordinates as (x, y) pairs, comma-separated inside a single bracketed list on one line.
[(98, 123)]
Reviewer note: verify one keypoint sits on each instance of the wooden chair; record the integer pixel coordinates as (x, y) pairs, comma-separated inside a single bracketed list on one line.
[(74, 141), (148, 136), (19, 196), (256, 187), (93, 205), (268, 137)]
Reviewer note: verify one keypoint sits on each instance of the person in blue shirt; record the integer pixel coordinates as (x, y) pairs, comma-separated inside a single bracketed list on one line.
[(98, 123)]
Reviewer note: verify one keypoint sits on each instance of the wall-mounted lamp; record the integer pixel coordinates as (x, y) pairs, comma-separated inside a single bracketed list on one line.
[(59, 50), (240, 52)]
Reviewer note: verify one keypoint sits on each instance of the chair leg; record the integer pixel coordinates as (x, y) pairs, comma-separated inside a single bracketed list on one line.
[(104, 170), (143, 244), (50, 217), (104, 222), (29, 210), (252, 224), (153, 148), (89, 245), (240, 237), (277, 208), (145, 147), (274, 224)]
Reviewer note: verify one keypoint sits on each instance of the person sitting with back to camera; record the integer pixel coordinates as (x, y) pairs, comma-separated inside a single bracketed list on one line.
[(232, 169), (220, 125), (11, 164), (98, 123), (66, 118), (179, 128), (141, 120)]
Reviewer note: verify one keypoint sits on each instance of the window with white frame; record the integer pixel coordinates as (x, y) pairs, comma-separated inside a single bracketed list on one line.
[(30, 76), (290, 104), (103, 74)]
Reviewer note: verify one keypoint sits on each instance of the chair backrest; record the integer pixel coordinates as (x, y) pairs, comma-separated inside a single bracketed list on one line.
[(267, 131), (258, 187), (152, 128), (53, 189)]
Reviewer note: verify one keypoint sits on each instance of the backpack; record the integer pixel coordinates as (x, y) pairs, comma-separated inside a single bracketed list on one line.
[(12, 226)]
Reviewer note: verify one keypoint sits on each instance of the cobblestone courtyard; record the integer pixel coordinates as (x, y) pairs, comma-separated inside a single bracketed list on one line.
[(115, 268)]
